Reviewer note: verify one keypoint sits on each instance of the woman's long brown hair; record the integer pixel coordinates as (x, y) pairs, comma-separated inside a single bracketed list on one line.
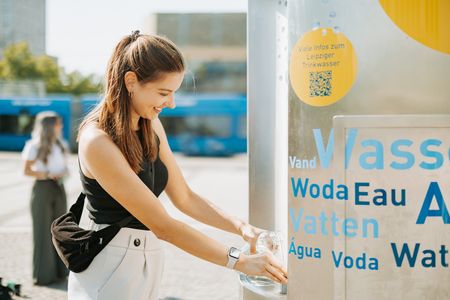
[(150, 58), (44, 133)]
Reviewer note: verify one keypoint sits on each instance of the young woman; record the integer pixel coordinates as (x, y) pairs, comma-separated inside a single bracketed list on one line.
[(45, 160), (118, 141)]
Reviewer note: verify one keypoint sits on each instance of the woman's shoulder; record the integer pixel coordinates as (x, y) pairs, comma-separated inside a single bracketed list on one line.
[(93, 136), (32, 142), (29, 151), (91, 130), (95, 146), (31, 145)]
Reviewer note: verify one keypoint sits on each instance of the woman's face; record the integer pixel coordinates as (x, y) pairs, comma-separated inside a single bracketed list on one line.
[(149, 99)]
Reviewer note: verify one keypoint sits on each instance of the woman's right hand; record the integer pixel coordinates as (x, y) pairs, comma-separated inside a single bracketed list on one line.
[(262, 264), (41, 175), (57, 176)]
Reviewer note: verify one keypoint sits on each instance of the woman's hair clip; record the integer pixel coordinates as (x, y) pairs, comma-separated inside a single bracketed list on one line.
[(135, 34)]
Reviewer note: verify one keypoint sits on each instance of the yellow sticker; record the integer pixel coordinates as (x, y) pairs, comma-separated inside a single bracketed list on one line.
[(323, 67), (428, 22)]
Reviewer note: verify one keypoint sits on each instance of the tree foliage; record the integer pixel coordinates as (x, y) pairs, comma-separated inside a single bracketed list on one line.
[(19, 63)]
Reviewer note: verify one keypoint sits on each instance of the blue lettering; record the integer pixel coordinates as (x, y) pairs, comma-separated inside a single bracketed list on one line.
[(334, 220), (314, 190), (300, 251), (380, 199), (360, 262), (428, 256), (351, 139), (328, 190), (404, 154), (342, 193), (311, 226), (377, 154), (336, 260), (323, 219), (373, 158), (405, 252), (439, 159), (299, 185), (429, 262), (350, 224), (324, 155), (365, 225), (425, 212), (295, 220), (359, 193)]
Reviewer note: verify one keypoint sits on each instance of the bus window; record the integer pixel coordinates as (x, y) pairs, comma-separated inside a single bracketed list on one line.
[(25, 122), (204, 126), (211, 126), (16, 124), (174, 125), (8, 124)]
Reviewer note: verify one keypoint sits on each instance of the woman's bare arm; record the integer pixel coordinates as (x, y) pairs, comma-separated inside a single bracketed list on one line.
[(27, 171), (187, 200)]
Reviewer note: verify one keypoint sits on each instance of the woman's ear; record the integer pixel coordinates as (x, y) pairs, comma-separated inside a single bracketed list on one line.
[(130, 80)]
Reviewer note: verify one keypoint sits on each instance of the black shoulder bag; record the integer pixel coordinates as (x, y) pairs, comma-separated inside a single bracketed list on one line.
[(76, 246)]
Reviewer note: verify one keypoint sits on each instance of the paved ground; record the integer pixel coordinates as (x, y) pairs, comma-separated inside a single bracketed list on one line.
[(221, 180)]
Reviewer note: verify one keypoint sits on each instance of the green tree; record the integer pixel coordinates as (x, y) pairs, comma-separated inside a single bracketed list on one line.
[(2, 69), (50, 72), (18, 63), (76, 83)]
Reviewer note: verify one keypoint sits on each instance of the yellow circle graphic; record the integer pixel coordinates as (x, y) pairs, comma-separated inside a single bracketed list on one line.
[(323, 67), (428, 22)]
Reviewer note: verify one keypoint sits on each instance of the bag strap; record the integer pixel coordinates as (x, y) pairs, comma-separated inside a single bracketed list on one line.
[(77, 207)]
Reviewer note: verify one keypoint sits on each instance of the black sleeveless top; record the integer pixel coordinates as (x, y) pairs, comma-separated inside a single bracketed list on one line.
[(104, 209)]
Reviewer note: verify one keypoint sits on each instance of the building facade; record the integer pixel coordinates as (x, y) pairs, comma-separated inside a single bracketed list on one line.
[(214, 45), (23, 21)]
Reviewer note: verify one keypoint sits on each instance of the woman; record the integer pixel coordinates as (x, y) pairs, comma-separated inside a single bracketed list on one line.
[(118, 141), (45, 160)]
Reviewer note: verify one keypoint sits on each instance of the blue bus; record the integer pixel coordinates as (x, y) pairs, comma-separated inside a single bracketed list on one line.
[(209, 125), (17, 119), (201, 124)]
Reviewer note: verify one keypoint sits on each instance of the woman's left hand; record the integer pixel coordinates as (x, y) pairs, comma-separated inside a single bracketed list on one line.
[(250, 234), (58, 176)]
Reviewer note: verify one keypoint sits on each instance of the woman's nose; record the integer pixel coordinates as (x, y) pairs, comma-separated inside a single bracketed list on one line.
[(171, 102)]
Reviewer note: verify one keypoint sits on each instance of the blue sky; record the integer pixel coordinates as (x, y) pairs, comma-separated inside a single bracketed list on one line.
[(83, 33)]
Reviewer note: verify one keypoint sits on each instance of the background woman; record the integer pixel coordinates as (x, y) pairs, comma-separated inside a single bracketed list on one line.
[(44, 156)]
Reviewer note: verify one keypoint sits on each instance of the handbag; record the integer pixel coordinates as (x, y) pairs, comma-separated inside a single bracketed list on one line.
[(76, 246)]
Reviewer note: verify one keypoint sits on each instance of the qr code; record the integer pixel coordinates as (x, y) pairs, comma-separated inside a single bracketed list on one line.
[(320, 83)]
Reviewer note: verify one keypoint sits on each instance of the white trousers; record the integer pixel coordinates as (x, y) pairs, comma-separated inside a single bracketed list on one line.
[(129, 267)]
